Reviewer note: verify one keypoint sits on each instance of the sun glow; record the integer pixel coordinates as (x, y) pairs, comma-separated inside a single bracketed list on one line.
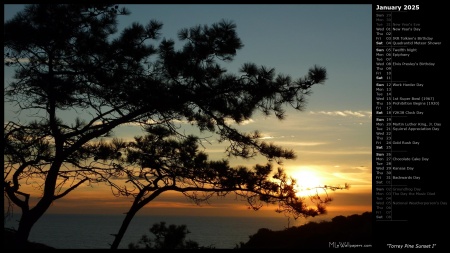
[(307, 181)]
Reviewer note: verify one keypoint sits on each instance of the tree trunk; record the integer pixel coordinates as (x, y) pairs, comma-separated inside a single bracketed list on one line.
[(31, 216), (138, 203), (23, 231), (26, 223), (123, 228)]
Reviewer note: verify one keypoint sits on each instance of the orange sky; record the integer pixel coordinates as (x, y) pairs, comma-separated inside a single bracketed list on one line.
[(335, 152), (97, 199)]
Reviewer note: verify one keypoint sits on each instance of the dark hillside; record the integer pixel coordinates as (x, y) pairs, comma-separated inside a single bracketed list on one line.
[(9, 237), (353, 230)]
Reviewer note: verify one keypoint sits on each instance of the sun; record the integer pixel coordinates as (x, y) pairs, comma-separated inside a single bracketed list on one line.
[(307, 180)]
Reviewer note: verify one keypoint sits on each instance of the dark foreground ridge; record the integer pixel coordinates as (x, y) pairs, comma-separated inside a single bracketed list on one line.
[(9, 237), (341, 231)]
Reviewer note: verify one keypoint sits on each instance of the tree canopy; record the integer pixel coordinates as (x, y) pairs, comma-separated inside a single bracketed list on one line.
[(83, 65), (167, 237)]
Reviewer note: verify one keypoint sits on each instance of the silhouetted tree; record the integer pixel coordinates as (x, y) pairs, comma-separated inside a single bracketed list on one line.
[(69, 58), (171, 237)]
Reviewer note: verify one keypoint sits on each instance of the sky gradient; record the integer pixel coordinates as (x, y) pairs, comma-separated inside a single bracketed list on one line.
[(332, 137)]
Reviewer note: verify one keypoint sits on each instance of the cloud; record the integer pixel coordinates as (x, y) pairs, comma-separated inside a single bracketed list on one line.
[(346, 113), (343, 152), (229, 121), (360, 169), (21, 60), (291, 143), (266, 137), (300, 143), (351, 179)]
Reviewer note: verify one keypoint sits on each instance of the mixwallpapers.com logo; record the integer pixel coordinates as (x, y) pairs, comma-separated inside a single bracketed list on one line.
[(338, 245)]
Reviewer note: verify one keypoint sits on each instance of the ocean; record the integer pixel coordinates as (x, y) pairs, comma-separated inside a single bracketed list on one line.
[(81, 231)]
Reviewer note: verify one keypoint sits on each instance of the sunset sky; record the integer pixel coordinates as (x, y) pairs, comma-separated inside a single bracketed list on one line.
[(332, 137)]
